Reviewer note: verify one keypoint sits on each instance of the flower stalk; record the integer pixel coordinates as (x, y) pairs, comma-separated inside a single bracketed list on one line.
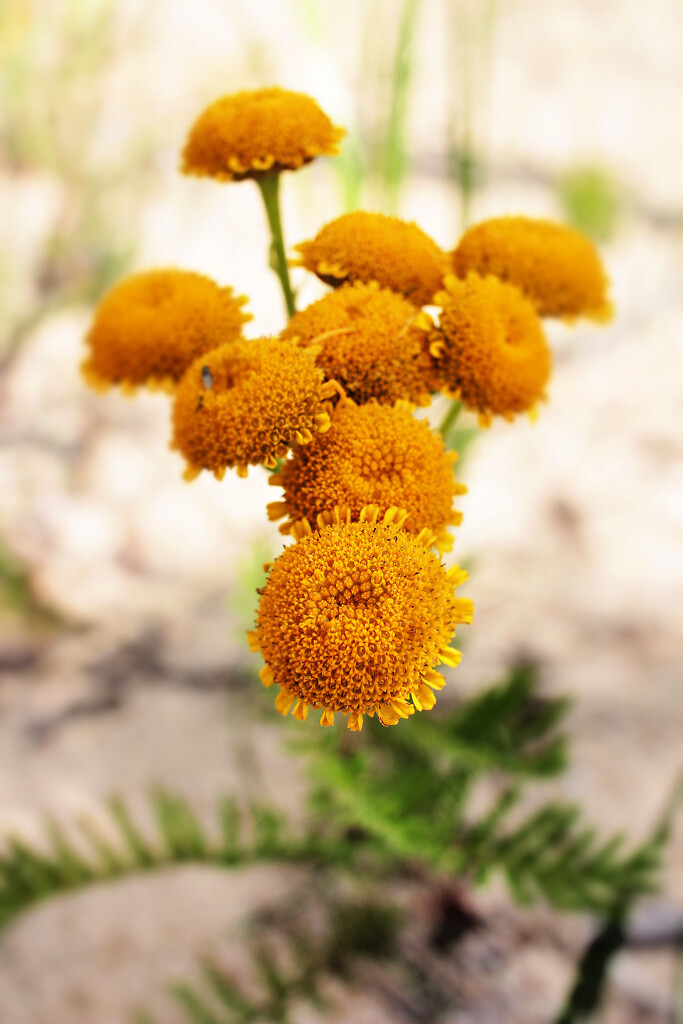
[(269, 185), (450, 418)]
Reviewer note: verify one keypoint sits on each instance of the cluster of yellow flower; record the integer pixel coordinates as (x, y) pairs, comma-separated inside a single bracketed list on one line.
[(358, 614)]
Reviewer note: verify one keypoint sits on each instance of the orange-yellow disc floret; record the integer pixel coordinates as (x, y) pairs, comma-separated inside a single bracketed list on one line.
[(492, 351), (356, 617), (371, 341), (254, 132), (151, 326), (362, 246), (555, 265), (372, 455), (246, 403)]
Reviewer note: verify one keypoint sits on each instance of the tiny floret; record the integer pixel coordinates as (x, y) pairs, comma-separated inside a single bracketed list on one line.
[(371, 342), (372, 455), (557, 267), (356, 617), (362, 246), (491, 348), (255, 132), (248, 403), (151, 326)]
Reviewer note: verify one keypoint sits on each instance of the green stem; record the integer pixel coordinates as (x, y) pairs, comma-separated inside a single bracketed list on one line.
[(450, 418), (591, 975), (395, 148), (269, 185)]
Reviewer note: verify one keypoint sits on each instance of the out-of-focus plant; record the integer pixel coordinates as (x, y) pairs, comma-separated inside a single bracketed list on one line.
[(395, 162), (470, 31), (399, 805), (592, 201), (56, 66), (18, 593), (49, 140), (374, 162), (355, 931)]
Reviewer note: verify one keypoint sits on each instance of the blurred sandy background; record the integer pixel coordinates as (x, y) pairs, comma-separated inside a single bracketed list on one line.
[(126, 591)]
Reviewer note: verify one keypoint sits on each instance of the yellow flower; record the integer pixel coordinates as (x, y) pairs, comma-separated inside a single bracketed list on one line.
[(356, 617), (150, 327), (248, 402), (372, 455), (370, 343), (557, 267), (363, 246), (492, 351), (251, 133)]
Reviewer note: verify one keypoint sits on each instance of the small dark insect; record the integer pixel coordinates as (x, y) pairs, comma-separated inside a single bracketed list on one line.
[(207, 381)]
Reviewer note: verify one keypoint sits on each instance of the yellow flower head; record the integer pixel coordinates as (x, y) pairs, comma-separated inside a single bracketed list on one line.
[(557, 267), (356, 617), (363, 246), (251, 133), (150, 327), (372, 455), (247, 403), (370, 343), (492, 351)]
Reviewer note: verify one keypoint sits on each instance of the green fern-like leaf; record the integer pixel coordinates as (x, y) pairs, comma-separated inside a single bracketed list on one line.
[(408, 790), (220, 999), (29, 874)]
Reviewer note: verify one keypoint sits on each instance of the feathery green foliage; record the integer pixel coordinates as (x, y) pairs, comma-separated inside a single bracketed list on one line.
[(386, 798), (403, 793), (86, 855), (354, 930), (218, 998), (505, 732)]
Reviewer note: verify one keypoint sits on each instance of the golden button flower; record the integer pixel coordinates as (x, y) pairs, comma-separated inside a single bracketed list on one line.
[(246, 403), (372, 455), (355, 618), (370, 342), (151, 326), (255, 132), (362, 246), (492, 352), (557, 267)]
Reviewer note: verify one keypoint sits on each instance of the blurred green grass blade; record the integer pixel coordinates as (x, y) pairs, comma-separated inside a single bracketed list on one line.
[(470, 44), (395, 155)]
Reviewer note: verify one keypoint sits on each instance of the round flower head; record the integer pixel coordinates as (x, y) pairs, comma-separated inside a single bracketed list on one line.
[(371, 342), (150, 327), (356, 617), (557, 267), (251, 133), (363, 246), (492, 351), (372, 455), (247, 403)]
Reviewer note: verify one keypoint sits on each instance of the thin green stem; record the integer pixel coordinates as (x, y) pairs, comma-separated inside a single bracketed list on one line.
[(450, 418), (395, 147), (591, 974), (269, 187)]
